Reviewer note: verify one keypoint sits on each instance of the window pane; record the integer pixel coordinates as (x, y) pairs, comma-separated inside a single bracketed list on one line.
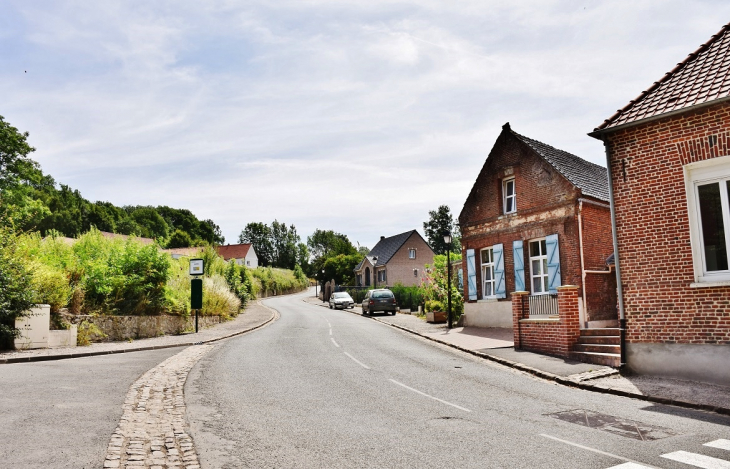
[(537, 285), (545, 283), (487, 274), (713, 232), (485, 257), (510, 188), (508, 206), (544, 266), (534, 248), (543, 247), (536, 267)]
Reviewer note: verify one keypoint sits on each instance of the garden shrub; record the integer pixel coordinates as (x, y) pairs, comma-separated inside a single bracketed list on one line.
[(219, 299), (49, 285), (15, 297)]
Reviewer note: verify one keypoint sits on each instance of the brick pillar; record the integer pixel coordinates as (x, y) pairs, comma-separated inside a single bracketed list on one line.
[(520, 310), (569, 318)]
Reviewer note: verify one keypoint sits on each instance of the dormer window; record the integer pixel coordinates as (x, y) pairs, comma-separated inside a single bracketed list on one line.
[(508, 195)]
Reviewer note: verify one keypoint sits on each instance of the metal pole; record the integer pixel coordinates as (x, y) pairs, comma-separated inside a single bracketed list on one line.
[(448, 286), (196, 321)]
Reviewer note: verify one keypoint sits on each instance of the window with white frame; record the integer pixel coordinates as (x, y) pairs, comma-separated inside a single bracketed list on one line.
[(487, 257), (381, 275), (538, 267), (508, 195), (708, 189), (411, 253)]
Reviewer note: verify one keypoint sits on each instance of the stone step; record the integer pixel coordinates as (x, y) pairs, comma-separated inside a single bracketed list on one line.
[(599, 339), (607, 331), (600, 348), (607, 359)]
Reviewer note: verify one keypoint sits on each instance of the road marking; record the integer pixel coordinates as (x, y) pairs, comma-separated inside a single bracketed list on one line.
[(697, 460), (629, 465), (588, 448), (722, 444), (357, 361), (429, 396), (333, 341), (330, 331)]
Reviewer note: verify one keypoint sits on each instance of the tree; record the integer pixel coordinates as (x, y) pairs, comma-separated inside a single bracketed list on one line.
[(179, 239), (152, 224), (15, 165), (15, 296), (324, 244), (284, 243), (210, 232), (259, 236), (440, 222), (340, 268)]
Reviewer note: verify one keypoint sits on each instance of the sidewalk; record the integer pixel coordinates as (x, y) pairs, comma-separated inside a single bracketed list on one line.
[(496, 344), (254, 316)]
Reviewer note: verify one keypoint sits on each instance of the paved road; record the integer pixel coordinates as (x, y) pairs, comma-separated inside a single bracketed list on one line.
[(321, 388), (61, 414)]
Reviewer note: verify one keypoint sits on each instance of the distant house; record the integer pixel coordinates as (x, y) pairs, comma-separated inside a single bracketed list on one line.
[(244, 254), (396, 259), (669, 155), (536, 218)]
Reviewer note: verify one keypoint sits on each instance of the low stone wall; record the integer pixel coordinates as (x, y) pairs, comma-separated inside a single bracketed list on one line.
[(553, 336), (119, 328)]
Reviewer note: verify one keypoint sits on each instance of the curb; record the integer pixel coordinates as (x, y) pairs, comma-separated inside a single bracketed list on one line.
[(560, 379), (43, 358)]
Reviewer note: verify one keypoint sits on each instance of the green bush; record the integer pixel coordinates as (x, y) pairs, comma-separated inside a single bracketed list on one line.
[(15, 298), (219, 299), (49, 285), (278, 281), (434, 305)]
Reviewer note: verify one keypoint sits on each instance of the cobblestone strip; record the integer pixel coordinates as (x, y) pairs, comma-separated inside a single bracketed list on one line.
[(151, 432)]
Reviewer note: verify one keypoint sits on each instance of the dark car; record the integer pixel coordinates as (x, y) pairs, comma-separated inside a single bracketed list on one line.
[(341, 299), (379, 300)]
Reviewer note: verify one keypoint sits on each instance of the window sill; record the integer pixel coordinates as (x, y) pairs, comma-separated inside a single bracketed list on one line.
[(541, 321), (723, 283), (488, 300)]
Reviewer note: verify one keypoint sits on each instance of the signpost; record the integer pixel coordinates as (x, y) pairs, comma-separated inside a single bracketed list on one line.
[(196, 288)]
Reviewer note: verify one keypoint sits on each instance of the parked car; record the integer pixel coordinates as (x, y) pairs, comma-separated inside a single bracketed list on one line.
[(379, 300), (341, 300)]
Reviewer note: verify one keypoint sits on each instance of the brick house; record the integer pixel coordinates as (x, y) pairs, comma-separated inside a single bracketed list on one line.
[(537, 218), (244, 254), (669, 155), (396, 259)]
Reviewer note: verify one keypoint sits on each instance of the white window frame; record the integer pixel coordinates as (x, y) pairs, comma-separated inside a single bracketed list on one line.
[(381, 276), (543, 275), (506, 197), (487, 266), (411, 253), (716, 170)]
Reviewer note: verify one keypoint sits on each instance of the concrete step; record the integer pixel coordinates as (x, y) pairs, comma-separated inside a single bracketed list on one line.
[(610, 331), (607, 359), (599, 339), (599, 348)]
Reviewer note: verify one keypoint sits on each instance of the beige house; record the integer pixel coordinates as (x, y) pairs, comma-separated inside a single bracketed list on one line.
[(397, 259)]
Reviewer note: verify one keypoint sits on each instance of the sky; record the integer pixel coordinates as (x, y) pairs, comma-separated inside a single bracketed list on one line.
[(354, 116)]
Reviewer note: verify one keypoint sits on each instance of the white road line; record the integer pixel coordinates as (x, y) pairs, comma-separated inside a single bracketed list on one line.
[(722, 444), (429, 396), (333, 341), (588, 448), (697, 460), (357, 361), (330, 331), (629, 465)]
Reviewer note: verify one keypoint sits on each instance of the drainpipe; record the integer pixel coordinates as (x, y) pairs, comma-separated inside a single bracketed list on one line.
[(619, 286), (582, 262)]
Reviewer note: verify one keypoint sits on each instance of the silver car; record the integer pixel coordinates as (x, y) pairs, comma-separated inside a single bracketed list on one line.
[(341, 300)]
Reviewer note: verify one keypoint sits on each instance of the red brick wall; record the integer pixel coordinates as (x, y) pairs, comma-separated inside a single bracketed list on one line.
[(547, 204), (545, 336), (400, 266), (653, 228), (601, 297)]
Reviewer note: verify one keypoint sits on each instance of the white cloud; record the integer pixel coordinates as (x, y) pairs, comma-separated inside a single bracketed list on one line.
[(319, 113)]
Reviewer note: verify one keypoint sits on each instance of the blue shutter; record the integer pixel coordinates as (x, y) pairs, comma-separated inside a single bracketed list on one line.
[(500, 288), (553, 262), (471, 274), (519, 265)]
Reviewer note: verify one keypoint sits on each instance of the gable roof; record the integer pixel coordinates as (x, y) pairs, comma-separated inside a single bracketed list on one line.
[(233, 251), (703, 77), (590, 178), (387, 247)]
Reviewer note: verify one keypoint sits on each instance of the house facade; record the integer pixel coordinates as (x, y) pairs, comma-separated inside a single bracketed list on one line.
[(669, 156), (536, 218), (396, 259), (244, 254)]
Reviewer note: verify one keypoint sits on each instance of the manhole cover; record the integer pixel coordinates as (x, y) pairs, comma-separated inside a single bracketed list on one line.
[(615, 425)]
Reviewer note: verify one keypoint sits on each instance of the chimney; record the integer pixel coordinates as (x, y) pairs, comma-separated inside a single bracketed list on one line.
[(506, 126), (382, 238)]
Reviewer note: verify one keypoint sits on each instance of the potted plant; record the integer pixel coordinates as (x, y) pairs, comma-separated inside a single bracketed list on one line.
[(435, 312)]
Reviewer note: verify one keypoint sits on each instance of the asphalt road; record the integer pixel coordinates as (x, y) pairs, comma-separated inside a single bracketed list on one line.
[(322, 388), (61, 414)]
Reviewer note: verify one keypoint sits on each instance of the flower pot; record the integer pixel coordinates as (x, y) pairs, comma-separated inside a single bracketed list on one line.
[(436, 317)]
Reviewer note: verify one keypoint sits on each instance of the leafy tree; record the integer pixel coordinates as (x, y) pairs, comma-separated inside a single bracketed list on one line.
[(15, 296), (324, 244), (284, 242), (151, 222), (363, 250), (179, 239), (303, 257), (440, 222), (340, 268), (15, 165), (210, 232), (259, 236)]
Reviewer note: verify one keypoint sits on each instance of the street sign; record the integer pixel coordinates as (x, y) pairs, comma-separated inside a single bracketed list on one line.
[(196, 267), (196, 293)]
